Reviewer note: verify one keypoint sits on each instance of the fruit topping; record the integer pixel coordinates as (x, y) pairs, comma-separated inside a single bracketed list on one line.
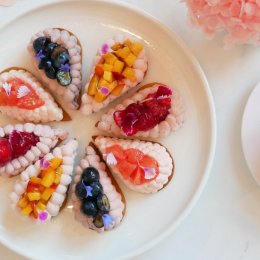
[(17, 92), (53, 59), (5, 151), (89, 208), (95, 203), (134, 165), (116, 64), (40, 189), (89, 175), (145, 115)]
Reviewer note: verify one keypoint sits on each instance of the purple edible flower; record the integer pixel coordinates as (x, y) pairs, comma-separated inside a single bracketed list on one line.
[(104, 90), (104, 49), (108, 221), (40, 55), (43, 216), (65, 67), (88, 190), (149, 173), (44, 163)]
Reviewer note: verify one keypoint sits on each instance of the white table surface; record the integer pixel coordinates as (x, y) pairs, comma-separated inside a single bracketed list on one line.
[(225, 223)]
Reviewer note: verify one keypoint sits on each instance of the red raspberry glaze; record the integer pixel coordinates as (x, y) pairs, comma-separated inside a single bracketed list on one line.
[(145, 115)]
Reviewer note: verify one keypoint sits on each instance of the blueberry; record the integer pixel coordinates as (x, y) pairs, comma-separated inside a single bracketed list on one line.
[(64, 78), (39, 43), (57, 51), (81, 191), (96, 188), (49, 48), (50, 73), (44, 64), (98, 221), (61, 59), (103, 203), (89, 175), (89, 208)]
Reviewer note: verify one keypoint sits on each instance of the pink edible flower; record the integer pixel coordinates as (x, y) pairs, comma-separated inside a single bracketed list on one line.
[(240, 19)]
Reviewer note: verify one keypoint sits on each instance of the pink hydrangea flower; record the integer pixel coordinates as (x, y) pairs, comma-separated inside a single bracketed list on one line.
[(240, 19)]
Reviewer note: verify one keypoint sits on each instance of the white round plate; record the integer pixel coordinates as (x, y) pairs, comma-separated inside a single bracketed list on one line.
[(149, 218), (251, 133)]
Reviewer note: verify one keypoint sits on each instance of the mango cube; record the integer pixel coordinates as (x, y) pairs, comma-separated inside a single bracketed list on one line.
[(118, 89), (59, 170), (41, 206), (102, 83), (128, 43), (99, 96), (108, 67), (112, 85), (130, 59), (48, 178), (99, 70), (55, 162), (57, 179), (33, 196), (136, 48), (47, 194), (27, 210), (118, 66), (92, 87), (123, 53), (35, 180), (129, 74), (23, 202), (109, 58), (108, 76), (116, 46)]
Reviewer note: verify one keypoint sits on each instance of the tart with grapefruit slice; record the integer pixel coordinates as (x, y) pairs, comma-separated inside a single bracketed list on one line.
[(99, 203), (23, 97), (22, 145), (120, 64), (57, 55), (144, 167), (154, 111), (42, 188)]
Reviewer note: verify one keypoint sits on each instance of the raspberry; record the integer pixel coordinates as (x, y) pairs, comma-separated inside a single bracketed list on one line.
[(5, 151)]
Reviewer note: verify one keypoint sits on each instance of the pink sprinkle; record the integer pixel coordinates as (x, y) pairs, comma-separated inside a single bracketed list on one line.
[(43, 216), (44, 163), (104, 90), (104, 49)]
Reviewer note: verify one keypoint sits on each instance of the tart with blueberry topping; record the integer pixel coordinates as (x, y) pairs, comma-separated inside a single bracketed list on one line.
[(145, 167), (99, 204), (154, 111), (22, 145), (58, 56), (23, 97), (42, 188), (119, 65)]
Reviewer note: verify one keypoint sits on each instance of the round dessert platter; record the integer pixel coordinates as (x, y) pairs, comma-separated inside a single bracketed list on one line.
[(148, 218)]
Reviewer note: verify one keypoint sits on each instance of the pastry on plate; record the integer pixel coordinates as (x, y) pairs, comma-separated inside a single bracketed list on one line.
[(57, 55), (41, 190), (23, 97), (99, 204), (119, 65), (22, 145), (154, 111), (145, 167)]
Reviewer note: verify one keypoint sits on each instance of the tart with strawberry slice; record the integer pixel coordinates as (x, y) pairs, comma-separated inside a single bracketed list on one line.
[(22, 145), (57, 54), (120, 64), (23, 97), (144, 167), (154, 111), (42, 188), (99, 203)]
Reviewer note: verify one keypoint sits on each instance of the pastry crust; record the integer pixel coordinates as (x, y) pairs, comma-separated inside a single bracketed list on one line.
[(153, 149), (110, 186), (50, 111), (49, 138), (89, 105), (71, 93), (68, 153), (173, 121)]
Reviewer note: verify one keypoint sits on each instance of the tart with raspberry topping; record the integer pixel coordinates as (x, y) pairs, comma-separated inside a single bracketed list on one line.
[(144, 167), (23, 97), (57, 54), (154, 111), (22, 145), (99, 203), (42, 188), (119, 65)]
